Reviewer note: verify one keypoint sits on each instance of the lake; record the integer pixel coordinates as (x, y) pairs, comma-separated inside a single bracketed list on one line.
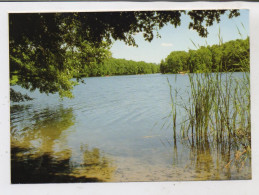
[(115, 129)]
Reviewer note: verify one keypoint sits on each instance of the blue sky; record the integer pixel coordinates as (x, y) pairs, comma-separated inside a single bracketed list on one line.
[(179, 39)]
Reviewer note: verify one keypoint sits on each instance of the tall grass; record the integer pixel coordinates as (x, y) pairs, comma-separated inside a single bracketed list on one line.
[(173, 109)]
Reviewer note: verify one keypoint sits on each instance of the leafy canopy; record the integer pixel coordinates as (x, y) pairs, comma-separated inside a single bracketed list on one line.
[(232, 56)]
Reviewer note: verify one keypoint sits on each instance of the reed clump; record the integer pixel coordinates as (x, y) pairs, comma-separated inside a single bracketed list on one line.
[(219, 109), (217, 113)]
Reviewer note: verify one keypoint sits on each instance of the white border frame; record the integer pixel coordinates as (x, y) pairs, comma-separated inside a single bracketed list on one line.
[(132, 188)]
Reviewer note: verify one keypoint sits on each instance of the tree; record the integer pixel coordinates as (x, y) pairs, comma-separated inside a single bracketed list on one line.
[(177, 61), (234, 53), (43, 45), (201, 60)]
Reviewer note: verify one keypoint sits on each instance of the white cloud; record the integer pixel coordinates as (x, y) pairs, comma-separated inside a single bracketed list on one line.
[(166, 44)]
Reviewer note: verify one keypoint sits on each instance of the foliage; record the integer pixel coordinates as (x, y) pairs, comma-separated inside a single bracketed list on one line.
[(230, 56), (18, 97), (113, 66), (175, 62), (87, 59)]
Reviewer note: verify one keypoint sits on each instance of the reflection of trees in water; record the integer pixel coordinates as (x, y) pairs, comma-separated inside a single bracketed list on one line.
[(39, 153), (44, 168), (44, 130)]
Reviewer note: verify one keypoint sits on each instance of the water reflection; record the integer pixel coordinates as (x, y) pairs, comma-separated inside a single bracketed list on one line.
[(207, 161), (202, 160), (40, 153), (45, 130), (44, 168)]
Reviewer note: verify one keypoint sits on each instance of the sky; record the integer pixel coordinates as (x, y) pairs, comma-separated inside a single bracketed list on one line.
[(180, 39)]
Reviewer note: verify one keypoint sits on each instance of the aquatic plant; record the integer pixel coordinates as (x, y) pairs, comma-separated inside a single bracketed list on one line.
[(217, 111)]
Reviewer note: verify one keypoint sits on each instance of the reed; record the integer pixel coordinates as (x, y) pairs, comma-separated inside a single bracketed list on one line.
[(173, 109)]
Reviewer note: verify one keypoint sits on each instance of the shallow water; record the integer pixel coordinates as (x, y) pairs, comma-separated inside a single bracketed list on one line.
[(115, 129)]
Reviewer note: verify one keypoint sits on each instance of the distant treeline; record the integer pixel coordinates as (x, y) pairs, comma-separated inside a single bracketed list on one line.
[(113, 66), (230, 56)]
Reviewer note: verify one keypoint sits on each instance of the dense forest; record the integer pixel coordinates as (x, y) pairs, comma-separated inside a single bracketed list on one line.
[(229, 56), (113, 66)]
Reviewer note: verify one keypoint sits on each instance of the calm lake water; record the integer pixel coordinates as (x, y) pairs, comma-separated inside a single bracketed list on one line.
[(115, 129)]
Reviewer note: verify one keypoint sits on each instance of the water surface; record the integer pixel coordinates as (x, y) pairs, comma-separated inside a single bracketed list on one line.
[(115, 129)]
